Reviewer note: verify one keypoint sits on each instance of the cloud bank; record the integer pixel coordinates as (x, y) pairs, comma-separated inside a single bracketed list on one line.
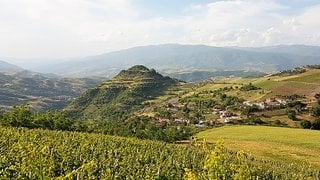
[(59, 28)]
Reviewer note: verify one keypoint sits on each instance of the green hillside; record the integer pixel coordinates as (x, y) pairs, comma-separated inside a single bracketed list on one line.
[(139, 102), (118, 97), (41, 91), (274, 143)]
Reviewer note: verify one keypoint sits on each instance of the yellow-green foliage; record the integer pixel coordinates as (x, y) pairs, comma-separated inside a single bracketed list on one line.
[(223, 164), (274, 143), (43, 154)]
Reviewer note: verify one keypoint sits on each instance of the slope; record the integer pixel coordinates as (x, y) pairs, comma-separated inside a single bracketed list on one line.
[(9, 68), (118, 97), (277, 100), (41, 91), (273, 143)]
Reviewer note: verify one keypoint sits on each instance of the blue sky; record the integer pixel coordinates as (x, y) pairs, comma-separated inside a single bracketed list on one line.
[(73, 28)]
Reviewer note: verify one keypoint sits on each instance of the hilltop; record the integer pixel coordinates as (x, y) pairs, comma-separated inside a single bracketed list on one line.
[(289, 98), (121, 95)]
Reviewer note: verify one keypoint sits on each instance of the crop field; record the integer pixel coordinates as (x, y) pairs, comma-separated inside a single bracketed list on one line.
[(43, 154), (312, 76), (302, 84), (273, 143)]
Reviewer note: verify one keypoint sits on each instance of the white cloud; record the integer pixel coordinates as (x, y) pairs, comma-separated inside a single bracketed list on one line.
[(59, 28)]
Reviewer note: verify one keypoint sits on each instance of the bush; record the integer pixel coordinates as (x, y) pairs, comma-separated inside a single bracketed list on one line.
[(292, 115), (249, 87), (316, 124), (306, 124)]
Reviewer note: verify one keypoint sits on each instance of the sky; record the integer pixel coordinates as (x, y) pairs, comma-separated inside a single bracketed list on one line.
[(74, 28)]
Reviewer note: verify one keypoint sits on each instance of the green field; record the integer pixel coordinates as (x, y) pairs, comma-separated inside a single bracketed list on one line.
[(44, 154), (307, 84), (273, 143)]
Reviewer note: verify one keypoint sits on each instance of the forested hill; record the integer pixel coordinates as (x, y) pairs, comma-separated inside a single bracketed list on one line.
[(41, 91), (117, 97)]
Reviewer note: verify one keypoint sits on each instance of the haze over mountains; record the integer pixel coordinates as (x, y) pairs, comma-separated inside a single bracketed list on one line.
[(9, 68), (175, 58)]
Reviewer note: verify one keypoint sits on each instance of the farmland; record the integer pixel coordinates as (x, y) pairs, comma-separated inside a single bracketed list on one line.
[(273, 143)]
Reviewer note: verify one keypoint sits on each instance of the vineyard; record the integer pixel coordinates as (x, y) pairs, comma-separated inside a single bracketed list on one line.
[(43, 154), (46, 154)]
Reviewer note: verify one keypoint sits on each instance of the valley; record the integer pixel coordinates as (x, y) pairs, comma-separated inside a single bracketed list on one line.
[(264, 122), (159, 90), (41, 91)]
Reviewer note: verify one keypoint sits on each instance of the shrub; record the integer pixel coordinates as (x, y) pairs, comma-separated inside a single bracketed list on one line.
[(306, 124)]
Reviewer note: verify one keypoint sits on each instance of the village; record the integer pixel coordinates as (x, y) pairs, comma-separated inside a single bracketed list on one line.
[(215, 115)]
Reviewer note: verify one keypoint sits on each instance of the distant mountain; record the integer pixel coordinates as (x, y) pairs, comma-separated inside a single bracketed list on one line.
[(41, 91), (174, 58), (9, 68), (194, 76), (301, 50), (121, 95)]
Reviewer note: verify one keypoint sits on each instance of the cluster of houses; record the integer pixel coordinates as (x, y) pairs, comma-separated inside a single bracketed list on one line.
[(270, 102), (225, 116), (176, 120)]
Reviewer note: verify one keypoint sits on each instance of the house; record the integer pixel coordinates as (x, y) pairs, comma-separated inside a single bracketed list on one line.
[(261, 105), (214, 121), (276, 101), (281, 101), (248, 103), (270, 100), (225, 114), (178, 120), (201, 124)]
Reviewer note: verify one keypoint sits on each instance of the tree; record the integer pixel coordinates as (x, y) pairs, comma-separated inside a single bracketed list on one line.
[(316, 112), (306, 124), (317, 96), (316, 124), (292, 115), (249, 109), (20, 116)]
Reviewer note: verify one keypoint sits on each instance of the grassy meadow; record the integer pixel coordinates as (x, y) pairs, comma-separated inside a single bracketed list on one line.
[(271, 143)]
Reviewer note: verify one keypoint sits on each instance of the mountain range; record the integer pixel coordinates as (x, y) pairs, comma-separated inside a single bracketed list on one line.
[(171, 59)]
